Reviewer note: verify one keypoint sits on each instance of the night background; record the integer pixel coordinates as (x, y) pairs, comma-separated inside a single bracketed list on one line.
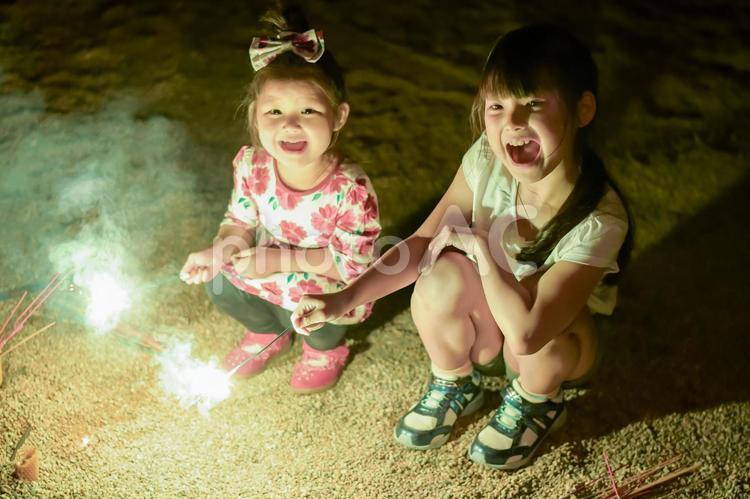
[(118, 124)]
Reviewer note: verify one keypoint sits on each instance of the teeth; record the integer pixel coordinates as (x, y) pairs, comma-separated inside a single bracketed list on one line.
[(519, 142)]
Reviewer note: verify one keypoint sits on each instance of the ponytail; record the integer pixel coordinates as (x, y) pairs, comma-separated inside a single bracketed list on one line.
[(588, 191)]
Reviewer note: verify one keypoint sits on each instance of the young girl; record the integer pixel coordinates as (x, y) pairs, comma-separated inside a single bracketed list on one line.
[(515, 290), (300, 219)]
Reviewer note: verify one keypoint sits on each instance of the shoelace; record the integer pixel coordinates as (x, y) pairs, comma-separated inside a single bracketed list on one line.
[(438, 392), (508, 416), (433, 398)]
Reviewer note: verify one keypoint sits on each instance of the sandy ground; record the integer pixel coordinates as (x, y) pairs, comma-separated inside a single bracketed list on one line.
[(118, 126)]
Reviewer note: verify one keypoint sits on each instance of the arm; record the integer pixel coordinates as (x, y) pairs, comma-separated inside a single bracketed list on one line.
[(236, 231), (313, 260), (231, 239), (530, 316), (397, 268)]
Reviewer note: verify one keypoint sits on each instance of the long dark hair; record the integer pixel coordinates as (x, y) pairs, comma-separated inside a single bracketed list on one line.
[(539, 57)]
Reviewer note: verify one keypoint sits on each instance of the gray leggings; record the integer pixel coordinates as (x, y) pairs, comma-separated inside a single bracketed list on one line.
[(262, 317)]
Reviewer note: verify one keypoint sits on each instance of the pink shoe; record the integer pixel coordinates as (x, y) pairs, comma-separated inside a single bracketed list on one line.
[(250, 345), (318, 370)]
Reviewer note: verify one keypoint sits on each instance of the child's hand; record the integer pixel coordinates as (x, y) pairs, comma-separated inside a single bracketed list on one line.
[(256, 262), (314, 311), (456, 236), (201, 266)]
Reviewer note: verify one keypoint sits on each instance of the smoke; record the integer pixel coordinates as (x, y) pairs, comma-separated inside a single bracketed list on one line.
[(192, 382), (92, 193)]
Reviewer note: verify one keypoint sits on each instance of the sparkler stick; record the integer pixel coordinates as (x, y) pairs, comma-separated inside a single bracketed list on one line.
[(278, 336), (30, 310), (20, 442), (143, 339), (7, 320), (42, 297), (40, 331)]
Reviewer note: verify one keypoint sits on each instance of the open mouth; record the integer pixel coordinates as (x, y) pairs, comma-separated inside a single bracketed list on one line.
[(523, 151), (298, 146)]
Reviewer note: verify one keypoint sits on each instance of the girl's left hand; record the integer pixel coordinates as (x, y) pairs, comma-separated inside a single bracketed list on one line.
[(256, 262), (460, 237)]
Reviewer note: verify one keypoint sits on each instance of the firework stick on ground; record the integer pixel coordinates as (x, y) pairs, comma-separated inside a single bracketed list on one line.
[(637, 480), (661, 481), (7, 320), (40, 299), (20, 442), (30, 310), (611, 474), (636, 485), (142, 338), (35, 333)]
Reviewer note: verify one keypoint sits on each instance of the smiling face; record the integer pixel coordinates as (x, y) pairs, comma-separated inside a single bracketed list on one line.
[(531, 135), (295, 122)]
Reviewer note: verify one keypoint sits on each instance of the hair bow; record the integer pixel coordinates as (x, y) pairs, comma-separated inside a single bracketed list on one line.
[(308, 45)]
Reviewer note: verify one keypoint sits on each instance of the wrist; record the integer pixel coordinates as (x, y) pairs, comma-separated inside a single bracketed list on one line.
[(224, 248), (482, 256), (273, 258)]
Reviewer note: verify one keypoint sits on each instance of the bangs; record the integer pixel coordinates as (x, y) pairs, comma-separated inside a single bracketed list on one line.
[(516, 79)]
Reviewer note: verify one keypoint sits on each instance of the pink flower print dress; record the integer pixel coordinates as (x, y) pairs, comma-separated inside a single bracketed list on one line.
[(340, 213)]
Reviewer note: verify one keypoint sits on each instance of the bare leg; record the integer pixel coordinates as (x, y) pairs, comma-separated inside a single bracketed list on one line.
[(567, 357), (452, 316)]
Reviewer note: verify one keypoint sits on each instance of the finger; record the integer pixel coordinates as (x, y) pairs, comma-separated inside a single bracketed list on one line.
[(185, 275), (313, 317), (188, 266), (245, 253), (195, 276)]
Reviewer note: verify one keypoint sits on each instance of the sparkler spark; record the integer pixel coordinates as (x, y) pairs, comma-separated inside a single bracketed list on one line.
[(108, 299), (202, 384)]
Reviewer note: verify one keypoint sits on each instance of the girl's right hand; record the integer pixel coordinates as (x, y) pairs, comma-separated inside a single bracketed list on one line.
[(314, 311), (201, 266)]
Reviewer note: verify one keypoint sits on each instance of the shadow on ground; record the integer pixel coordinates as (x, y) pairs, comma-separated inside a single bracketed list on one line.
[(679, 339)]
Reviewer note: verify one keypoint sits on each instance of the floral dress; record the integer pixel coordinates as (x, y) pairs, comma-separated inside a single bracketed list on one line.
[(340, 213)]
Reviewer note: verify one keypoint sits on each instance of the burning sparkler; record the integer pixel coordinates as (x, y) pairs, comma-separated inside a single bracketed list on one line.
[(108, 295), (193, 382), (198, 383)]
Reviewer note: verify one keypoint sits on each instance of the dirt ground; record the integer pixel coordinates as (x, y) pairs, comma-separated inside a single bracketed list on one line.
[(118, 122)]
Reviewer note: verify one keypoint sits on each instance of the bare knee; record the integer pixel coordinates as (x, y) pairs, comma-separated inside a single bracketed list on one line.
[(442, 288)]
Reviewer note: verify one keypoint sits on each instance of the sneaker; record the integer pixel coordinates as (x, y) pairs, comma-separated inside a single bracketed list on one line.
[(429, 422), (318, 370), (516, 430), (250, 345)]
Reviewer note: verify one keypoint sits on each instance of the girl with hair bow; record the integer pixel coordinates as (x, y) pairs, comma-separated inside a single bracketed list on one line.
[(301, 218)]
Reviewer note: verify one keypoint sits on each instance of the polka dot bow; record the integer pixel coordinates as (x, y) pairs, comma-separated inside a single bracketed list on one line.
[(308, 45)]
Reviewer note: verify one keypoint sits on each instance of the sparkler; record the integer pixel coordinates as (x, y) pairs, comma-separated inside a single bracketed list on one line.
[(201, 384), (108, 298), (640, 484), (278, 336), (23, 317)]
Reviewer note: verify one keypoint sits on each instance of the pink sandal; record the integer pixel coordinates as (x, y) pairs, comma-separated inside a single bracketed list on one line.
[(318, 370), (250, 345)]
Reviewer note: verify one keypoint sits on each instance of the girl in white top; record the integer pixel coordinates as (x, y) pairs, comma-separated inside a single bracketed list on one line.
[(515, 257)]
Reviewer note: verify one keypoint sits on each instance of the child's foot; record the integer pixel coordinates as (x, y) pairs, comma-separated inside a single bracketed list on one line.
[(516, 429), (429, 422), (250, 345), (318, 370)]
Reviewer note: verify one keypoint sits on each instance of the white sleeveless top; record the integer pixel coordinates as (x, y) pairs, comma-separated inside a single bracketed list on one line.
[(595, 241)]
